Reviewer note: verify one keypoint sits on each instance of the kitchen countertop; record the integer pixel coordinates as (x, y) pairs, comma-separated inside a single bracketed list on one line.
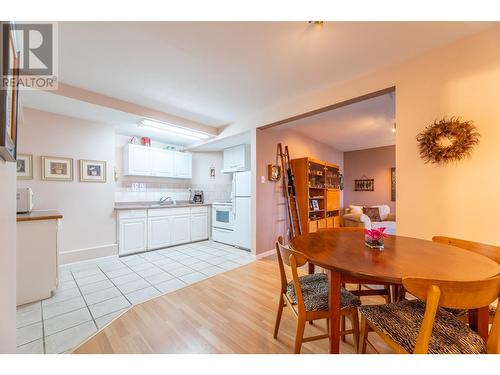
[(40, 215), (149, 205)]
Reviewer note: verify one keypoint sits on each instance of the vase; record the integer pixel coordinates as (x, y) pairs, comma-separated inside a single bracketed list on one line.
[(374, 243)]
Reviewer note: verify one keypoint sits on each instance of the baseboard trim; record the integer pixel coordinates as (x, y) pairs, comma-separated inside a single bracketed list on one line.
[(265, 254), (89, 253)]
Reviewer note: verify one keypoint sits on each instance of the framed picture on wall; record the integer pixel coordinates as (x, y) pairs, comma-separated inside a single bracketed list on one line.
[(9, 102), (92, 171), (24, 167), (57, 169), (393, 184)]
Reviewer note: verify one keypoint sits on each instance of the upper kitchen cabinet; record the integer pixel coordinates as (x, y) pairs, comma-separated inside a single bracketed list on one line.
[(148, 161), (237, 159), (183, 164)]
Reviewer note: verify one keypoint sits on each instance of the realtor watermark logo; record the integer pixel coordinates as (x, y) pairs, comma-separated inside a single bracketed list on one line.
[(31, 48)]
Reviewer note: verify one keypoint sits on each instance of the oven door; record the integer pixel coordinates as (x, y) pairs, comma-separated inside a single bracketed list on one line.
[(222, 217)]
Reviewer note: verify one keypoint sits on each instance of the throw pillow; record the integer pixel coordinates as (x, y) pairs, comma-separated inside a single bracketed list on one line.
[(373, 213), (356, 209)]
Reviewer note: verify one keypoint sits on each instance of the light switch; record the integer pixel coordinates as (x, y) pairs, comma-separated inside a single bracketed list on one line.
[(262, 179)]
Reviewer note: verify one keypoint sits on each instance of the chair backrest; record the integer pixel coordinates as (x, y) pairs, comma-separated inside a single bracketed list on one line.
[(490, 251), (294, 260), (343, 229), (454, 294)]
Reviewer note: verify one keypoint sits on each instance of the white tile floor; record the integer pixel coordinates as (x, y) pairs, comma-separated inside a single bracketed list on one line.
[(91, 294)]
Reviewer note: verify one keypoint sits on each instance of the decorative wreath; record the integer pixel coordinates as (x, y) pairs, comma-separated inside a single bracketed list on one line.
[(447, 141)]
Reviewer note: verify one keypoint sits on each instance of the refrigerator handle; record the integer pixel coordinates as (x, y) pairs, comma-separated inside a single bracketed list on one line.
[(234, 208)]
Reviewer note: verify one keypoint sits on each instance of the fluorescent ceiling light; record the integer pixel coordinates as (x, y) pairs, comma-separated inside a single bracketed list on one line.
[(174, 129)]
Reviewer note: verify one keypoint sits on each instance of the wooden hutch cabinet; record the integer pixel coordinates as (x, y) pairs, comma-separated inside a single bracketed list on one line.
[(317, 186)]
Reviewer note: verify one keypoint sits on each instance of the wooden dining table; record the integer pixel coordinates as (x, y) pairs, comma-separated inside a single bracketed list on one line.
[(346, 258)]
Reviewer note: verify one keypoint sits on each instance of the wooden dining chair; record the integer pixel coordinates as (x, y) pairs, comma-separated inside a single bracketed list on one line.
[(307, 298), (418, 327), (489, 251)]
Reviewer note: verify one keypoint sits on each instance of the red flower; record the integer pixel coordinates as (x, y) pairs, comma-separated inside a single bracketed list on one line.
[(376, 233)]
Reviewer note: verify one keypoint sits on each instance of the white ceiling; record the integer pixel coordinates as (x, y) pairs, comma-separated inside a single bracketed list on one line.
[(218, 72), (358, 126), (124, 123)]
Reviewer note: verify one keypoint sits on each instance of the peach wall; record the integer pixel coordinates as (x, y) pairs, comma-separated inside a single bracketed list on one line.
[(270, 210), (462, 78), (374, 163), (8, 257), (88, 227)]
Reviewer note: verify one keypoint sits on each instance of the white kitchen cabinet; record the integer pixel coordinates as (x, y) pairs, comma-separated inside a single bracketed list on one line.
[(183, 165), (181, 229), (137, 160), (162, 163), (199, 227), (149, 161), (132, 231), (159, 232), (237, 159), (156, 228)]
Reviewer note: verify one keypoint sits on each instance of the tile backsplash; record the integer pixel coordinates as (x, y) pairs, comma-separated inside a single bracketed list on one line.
[(130, 191)]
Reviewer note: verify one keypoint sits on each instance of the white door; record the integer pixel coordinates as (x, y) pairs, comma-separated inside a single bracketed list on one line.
[(199, 227), (162, 162), (180, 229), (183, 164), (242, 223), (133, 234), (242, 184), (140, 159), (159, 232)]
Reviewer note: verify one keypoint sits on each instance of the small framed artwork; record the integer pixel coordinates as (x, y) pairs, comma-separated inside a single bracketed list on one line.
[(92, 171), (24, 167), (273, 172), (57, 169), (365, 184), (393, 184), (314, 205)]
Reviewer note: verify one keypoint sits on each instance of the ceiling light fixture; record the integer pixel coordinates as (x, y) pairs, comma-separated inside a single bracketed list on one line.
[(316, 22), (173, 129)]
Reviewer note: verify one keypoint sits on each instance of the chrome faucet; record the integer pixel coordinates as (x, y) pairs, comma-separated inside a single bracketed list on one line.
[(165, 200)]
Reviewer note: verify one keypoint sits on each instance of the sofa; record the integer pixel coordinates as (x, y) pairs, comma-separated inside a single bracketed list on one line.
[(354, 217)]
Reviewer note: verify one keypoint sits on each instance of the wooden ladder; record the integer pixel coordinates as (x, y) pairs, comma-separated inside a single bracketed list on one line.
[(289, 191)]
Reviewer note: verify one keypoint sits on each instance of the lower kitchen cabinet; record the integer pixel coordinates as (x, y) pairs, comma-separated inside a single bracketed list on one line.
[(199, 227), (181, 229), (159, 232), (133, 235), (141, 230)]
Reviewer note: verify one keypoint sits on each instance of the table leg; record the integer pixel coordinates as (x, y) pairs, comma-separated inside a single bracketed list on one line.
[(311, 268), (478, 321), (334, 309)]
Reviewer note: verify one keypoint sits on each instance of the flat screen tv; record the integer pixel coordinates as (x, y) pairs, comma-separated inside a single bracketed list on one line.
[(9, 98)]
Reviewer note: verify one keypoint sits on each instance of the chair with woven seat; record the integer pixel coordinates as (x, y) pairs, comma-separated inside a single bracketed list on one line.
[(307, 298), (489, 251), (418, 327)]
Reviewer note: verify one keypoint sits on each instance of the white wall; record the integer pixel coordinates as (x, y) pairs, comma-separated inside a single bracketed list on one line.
[(88, 226), (7, 257)]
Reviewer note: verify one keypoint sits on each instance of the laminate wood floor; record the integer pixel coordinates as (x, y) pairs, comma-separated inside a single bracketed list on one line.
[(233, 312)]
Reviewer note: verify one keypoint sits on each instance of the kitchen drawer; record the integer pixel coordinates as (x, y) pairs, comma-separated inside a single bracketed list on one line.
[(131, 214), (155, 212), (199, 210)]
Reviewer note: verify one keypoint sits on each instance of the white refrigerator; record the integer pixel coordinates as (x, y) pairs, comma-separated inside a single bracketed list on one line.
[(241, 196)]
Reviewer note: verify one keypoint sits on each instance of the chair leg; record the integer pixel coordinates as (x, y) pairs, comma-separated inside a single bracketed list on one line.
[(278, 316), (342, 327), (364, 336), (301, 325), (355, 327)]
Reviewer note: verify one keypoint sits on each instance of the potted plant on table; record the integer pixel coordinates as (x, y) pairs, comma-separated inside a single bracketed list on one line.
[(374, 238)]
